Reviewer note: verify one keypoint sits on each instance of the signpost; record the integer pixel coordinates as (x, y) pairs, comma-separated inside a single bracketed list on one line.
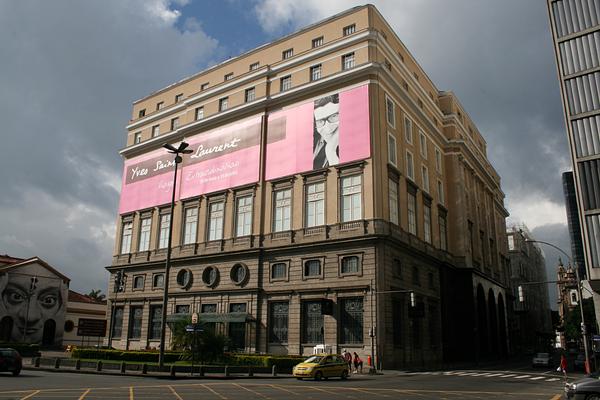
[(194, 329)]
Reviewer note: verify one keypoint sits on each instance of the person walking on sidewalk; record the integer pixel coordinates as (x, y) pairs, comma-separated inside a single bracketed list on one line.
[(358, 364), (348, 358)]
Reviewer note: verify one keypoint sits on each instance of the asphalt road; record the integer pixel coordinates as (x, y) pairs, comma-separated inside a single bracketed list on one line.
[(450, 385)]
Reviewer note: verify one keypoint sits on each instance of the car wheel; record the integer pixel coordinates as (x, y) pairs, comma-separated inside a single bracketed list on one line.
[(318, 376), (344, 375), (16, 372)]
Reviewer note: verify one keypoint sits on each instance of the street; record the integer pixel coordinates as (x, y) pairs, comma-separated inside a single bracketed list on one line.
[(461, 384)]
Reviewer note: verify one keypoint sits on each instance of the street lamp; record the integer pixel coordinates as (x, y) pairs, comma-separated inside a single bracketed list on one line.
[(583, 328), (120, 279), (182, 149)]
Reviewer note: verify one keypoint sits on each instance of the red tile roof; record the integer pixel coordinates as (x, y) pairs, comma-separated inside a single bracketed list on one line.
[(82, 298)]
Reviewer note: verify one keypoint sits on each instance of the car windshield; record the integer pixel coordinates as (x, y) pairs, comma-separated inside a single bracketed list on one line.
[(313, 359)]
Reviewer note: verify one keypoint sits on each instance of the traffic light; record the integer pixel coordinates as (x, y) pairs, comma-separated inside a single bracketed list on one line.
[(119, 281), (326, 307), (521, 295)]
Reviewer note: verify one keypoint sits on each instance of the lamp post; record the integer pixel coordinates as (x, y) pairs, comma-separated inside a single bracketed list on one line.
[(120, 279), (583, 326), (182, 149)]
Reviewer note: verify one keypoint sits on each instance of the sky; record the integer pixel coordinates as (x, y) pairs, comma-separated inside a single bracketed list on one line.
[(70, 71)]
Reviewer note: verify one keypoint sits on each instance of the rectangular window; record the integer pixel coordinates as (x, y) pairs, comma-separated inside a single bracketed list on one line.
[(155, 130), (287, 54), (190, 226), (126, 232), (117, 323), (158, 281), (228, 76), (443, 232), (427, 222), (137, 138), (350, 265), (438, 160), (249, 95), (199, 113), (412, 213), (408, 130), (317, 42), (393, 200), (204, 86), (145, 226), (349, 30), (440, 186), (279, 270), (215, 220), (312, 322), (283, 210), (154, 324), (423, 144), (351, 198), (135, 322), (392, 157), (243, 216), (410, 167), (174, 123), (390, 112), (278, 322), (315, 204), (315, 72), (511, 242), (178, 97), (163, 233), (182, 309), (285, 83), (142, 113), (352, 320), (312, 268), (223, 103), (348, 61), (160, 105), (254, 66), (138, 282), (425, 178)]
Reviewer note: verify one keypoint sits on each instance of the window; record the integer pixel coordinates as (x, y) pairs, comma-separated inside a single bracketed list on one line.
[(208, 308), (126, 232), (278, 271), (438, 160), (223, 103), (283, 210), (117, 323), (145, 226), (254, 66), (199, 113), (278, 322), (285, 83), (390, 112), (440, 186), (160, 105), (204, 86), (137, 137), (408, 130), (423, 144), (155, 130), (163, 233), (287, 53), (312, 268), (184, 278), (142, 113), (351, 198), (425, 178), (237, 330), (154, 324), (352, 320), (315, 204), (349, 30), (443, 233), (393, 200), (511, 242), (215, 220), (350, 265), (243, 216), (416, 278), (427, 222), (174, 123), (135, 322), (249, 95), (312, 322), (347, 61), (158, 281), (190, 226), (412, 212), (178, 97), (182, 309), (315, 72), (392, 159), (228, 76), (410, 167), (317, 42), (138, 282)]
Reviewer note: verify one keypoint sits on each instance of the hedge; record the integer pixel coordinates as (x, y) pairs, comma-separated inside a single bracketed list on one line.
[(283, 363), (24, 349), (119, 355)]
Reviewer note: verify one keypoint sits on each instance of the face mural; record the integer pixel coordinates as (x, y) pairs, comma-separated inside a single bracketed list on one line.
[(34, 306), (326, 137)]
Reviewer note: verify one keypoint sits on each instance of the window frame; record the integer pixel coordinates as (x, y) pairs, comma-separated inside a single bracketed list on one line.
[(425, 178), (133, 321), (408, 129), (244, 214), (162, 241), (411, 207), (250, 94), (126, 225), (308, 203), (155, 276), (348, 61), (154, 326), (145, 233), (410, 165), (391, 122), (427, 225), (211, 219), (137, 137), (174, 123), (394, 205), (271, 323), (438, 159), (286, 265), (223, 103), (254, 66), (423, 144), (359, 265), (317, 42), (155, 130), (285, 83), (320, 275), (392, 149), (287, 53), (349, 30), (289, 208), (318, 68), (142, 278), (345, 197), (186, 237), (347, 319)]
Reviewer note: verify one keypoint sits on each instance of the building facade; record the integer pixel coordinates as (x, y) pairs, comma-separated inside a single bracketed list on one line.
[(573, 222), (328, 178), (85, 320)]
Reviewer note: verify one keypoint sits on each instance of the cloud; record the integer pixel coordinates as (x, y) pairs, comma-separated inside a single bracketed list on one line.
[(535, 209)]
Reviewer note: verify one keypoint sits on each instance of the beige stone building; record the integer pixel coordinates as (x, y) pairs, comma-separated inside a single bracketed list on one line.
[(327, 170)]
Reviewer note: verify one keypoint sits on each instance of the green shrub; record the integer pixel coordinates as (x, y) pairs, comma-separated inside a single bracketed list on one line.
[(120, 355), (24, 349)]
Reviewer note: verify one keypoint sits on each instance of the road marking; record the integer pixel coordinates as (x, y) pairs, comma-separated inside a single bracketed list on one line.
[(552, 379), (175, 393), (213, 391), (84, 394), (252, 391), (537, 378), (507, 376), (332, 392), (522, 376), (131, 393), (491, 375), (30, 395), (369, 392), (285, 390)]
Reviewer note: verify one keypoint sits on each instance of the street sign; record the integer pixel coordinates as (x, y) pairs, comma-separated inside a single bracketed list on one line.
[(91, 327), (193, 328)]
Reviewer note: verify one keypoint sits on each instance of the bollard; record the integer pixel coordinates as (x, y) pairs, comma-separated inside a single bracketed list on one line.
[(123, 366), (77, 364), (250, 371), (274, 372), (37, 362), (57, 363), (144, 369), (226, 371), (99, 366), (201, 371), (172, 371)]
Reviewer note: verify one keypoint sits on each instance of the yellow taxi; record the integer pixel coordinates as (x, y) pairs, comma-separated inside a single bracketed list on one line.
[(322, 366)]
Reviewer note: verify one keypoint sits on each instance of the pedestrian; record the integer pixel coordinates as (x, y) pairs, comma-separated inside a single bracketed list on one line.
[(358, 364), (348, 358)]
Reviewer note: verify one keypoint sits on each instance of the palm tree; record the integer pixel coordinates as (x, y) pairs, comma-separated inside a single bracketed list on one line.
[(97, 295)]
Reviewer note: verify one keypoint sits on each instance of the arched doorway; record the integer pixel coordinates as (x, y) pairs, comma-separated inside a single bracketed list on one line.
[(6, 326), (502, 326), (49, 333), (482, 326), (493, 322)]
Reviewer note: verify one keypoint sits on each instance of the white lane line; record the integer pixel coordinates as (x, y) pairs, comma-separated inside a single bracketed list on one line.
[(491, 375), (552, 379), (537, 378), (507, 376), (522, 376)]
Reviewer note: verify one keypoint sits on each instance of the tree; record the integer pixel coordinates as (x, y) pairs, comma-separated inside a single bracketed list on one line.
[(572, 322), (97, 295), (208, 346)]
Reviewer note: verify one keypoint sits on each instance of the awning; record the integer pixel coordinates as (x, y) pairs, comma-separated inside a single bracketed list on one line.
[(213, 317)]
